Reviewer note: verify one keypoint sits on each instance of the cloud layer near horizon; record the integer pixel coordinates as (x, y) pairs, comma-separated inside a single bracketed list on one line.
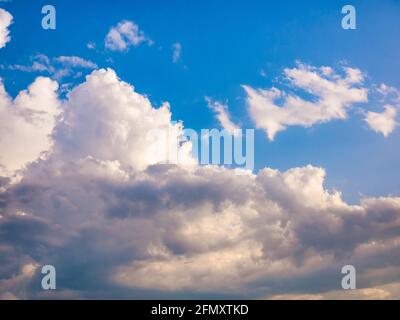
[(114, 221)]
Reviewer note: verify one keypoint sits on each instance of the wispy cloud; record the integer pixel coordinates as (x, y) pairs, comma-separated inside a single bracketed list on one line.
[(75, 62), (223, 116), (58, 68), (176, 53)]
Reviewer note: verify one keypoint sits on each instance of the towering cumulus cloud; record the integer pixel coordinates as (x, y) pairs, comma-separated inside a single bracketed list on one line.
[(26, 124), (114, 220), (107, 120), (5, 21)]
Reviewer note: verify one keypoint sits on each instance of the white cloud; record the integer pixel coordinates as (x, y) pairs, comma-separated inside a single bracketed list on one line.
[(5, 21), (91, 45), (124, 35), (177, 50), (102, 197), (123, 132), (223, 116), (383, 122), (26, 124), (333, 96)]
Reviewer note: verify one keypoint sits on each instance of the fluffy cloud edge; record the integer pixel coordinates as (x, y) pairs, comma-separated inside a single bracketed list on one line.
[(334, 94), (383, 122), (5, 21), (125, 35)]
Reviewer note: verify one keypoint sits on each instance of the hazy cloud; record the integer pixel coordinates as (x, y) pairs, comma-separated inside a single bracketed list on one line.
[(177, 50)]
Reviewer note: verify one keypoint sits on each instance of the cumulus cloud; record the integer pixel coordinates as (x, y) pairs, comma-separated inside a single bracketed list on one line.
[(280, 236), (273, 110), (26, 124), (5, 21), (223, 116), (114, 220), (382, 122), (124, 35), (131, 132)]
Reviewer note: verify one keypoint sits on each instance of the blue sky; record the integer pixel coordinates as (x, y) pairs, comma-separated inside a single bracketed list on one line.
[(224, 46)]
